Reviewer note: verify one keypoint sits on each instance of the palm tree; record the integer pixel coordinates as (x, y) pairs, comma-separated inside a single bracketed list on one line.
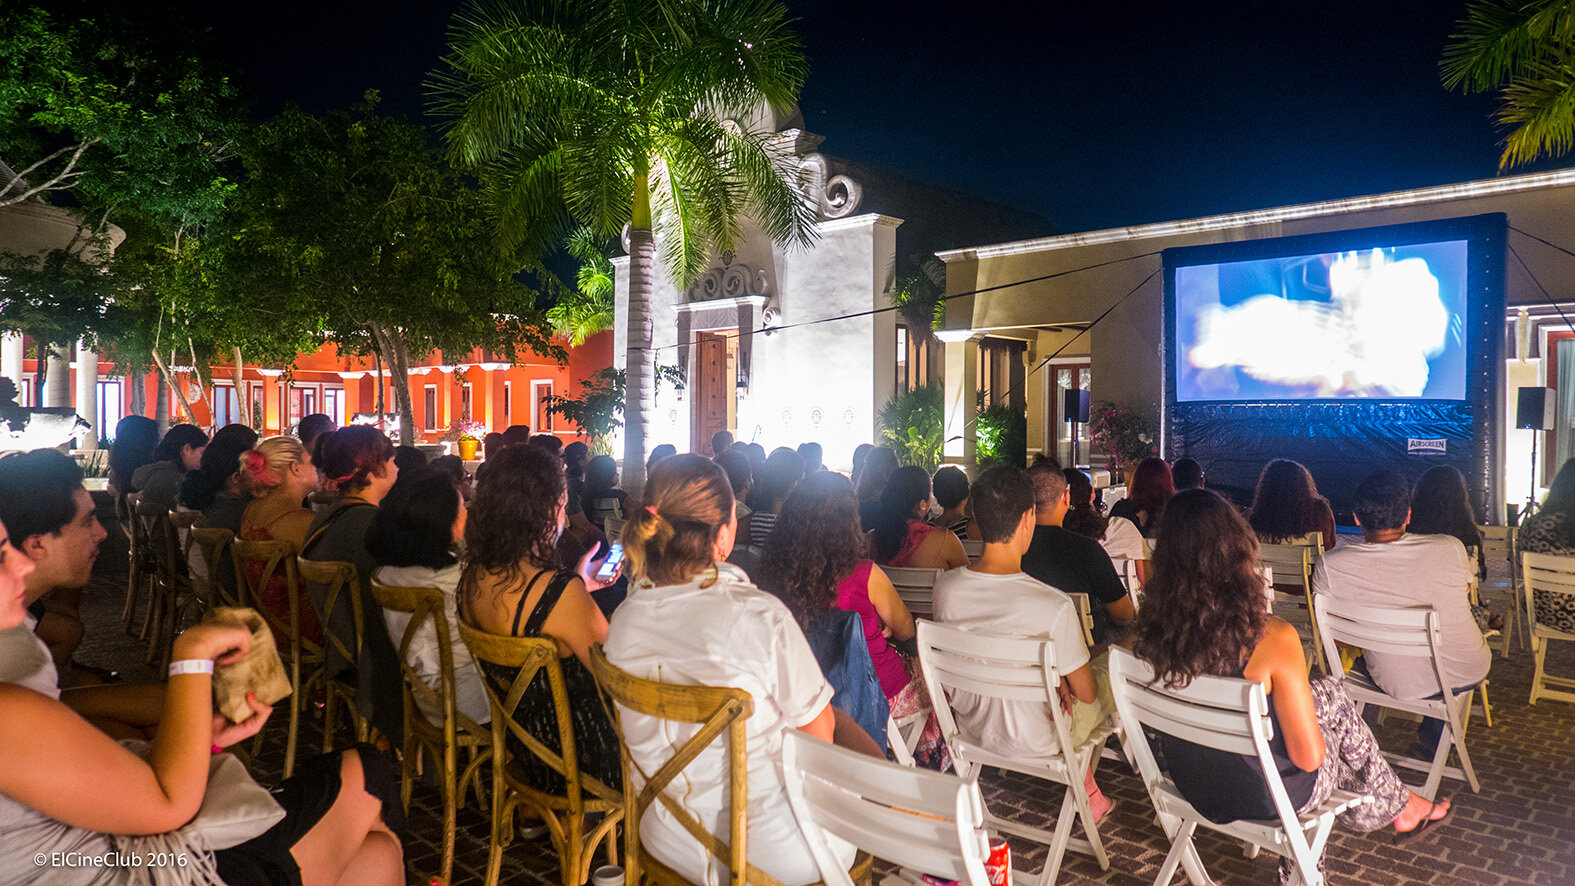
[(614, 113), (1525, 48), (586, 309)]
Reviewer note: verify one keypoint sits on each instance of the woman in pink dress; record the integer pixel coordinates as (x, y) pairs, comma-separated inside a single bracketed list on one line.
[(900, 537)]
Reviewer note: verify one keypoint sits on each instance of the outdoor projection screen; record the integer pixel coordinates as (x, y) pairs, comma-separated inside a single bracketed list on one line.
[(1346, 351)]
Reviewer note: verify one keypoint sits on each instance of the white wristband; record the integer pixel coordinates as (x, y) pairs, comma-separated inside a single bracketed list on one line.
[(191, 666)]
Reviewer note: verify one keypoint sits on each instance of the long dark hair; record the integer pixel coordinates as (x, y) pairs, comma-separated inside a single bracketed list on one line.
[(1083, 517), (513, 523), (1152, 487), (1441, 505), (178, 438), (904, 490), (784, 468), (815, 544), (220, 461), (414, 524), (1203, 607), (1286, 503), (135, 438)]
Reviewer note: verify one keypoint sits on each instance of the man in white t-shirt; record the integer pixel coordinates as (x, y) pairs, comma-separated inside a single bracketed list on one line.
[(1391, 568), (995, 596)]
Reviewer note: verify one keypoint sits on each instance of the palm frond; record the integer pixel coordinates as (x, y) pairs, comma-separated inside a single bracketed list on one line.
[(783, 213), (1539, 108), (1499, 38)]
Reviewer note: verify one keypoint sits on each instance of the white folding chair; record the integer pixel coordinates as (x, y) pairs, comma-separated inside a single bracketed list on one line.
[(1230, 715), (1127, 569), (1498, 545), (1411, 632), (973, 548), (1085, 617), (1019, 671), (1293, 564), (1552, 578), (927, 821), (916, 587)]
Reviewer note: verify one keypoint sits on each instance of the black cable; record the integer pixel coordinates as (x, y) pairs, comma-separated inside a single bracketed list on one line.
[(870, 313), (1527, 268)]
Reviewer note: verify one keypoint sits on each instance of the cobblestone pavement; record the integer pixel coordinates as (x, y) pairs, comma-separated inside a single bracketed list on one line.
[(1519, 829)]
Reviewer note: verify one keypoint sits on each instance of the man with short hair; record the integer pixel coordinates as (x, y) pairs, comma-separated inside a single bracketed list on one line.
[(50, 518), (1187, 474), (720, 441), (1069, 562), (1391, 568), (814, 457), (994, 595)]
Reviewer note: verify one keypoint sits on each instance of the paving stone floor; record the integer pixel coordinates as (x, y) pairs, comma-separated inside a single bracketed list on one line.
[(1519, 829)]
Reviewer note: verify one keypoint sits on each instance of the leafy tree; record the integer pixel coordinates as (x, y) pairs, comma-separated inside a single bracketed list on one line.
[(611, 113), (588, 308), (921, 299), (598, 411), (1525, 49), (357, 215)]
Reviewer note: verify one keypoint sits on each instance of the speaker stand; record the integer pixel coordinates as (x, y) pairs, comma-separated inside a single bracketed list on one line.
[(1531, 493), (1074, 442)]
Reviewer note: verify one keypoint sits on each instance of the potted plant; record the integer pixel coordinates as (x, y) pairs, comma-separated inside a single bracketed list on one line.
[(1125, 437), (912, 423), (467, 433)]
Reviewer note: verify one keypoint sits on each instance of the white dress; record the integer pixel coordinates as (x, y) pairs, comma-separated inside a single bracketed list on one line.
[(728, 634), (470, 696)]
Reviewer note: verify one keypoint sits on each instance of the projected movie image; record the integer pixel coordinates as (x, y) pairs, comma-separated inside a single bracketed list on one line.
[(1385, 323)]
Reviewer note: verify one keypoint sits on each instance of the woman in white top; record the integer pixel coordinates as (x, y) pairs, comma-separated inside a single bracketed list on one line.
[(413, 539), (692, 619)]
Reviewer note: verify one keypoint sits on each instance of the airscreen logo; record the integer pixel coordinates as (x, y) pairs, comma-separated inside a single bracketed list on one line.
[(1428, 446)]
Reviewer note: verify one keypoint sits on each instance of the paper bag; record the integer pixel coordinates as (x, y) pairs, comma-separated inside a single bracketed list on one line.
[(260, 673)]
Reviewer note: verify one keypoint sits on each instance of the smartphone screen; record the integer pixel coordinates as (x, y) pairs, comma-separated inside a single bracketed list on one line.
[(614, 558)]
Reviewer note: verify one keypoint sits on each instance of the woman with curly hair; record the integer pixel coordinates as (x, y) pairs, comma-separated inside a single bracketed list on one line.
[(817, 561), (1204, 614), (1286, 505), (512, 585)]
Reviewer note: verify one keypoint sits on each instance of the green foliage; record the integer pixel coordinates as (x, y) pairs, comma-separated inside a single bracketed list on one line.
[(598, 411), (920, 299), (1526, 50), (1002, 436), (912, 423), (588, 309), (1125, 437), (56, 299)]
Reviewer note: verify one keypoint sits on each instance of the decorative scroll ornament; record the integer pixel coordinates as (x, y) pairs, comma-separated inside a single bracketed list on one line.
[(832, 196), (735, 280)]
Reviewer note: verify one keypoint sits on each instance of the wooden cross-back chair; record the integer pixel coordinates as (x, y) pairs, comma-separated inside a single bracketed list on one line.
[(340, 586), (140, 567), (715, 710), (212, 549), (442, 740), (171, 590), (564, 815), (300, 654)]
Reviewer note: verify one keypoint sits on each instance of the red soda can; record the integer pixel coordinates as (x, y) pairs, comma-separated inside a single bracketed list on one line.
[(998, 866)]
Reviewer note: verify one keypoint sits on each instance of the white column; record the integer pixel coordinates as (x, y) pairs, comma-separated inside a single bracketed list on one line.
[(57, 387), (962, 388), (11, 357), (87, 396)]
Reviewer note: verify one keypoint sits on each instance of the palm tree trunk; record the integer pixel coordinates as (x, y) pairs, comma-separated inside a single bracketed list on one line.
[(640, 388)]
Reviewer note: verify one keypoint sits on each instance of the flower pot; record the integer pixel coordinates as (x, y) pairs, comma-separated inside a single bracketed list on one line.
[(1127, 475), (468, 447)]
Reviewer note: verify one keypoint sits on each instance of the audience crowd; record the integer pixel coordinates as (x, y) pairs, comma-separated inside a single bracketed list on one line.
[(765, 572)]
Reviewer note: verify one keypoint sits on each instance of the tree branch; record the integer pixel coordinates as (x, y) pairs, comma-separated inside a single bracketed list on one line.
[(55, 184)]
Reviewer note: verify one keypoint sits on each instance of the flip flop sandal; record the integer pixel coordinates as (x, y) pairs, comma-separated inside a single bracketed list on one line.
[(1426, 826)]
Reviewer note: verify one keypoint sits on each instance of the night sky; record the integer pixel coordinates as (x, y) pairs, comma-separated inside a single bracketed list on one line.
[(1090, 115)]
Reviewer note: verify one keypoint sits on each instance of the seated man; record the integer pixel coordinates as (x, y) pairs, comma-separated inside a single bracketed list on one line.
[(50, 518), (1391, 568), (994, 595), (1069, 562)]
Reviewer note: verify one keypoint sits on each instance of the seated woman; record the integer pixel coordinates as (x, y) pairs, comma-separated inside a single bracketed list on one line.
[(217, 488), (109, 796), (511, 586), (951, 493), (870, 482), (280, 474), (1152, 487), (1117, 535), (413, 539), (691, 618), (1441, 505), (359, 461), (159, 480), (135, 439), (1551, 530), (1286, 505), (1203, 614), (784, 468), (817, 561), (900, 536)]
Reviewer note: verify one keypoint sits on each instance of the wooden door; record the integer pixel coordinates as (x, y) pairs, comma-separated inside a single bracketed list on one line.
[(710, 389)]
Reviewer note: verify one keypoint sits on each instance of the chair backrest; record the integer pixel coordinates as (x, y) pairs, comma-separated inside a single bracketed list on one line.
[(927, 821), (1085, 616), (714, 709), (612, 526), (1498, 542), (425, 608), (916, 587), (1009, 669), (158, 537), (1223, 713), (1552, 576), (340, 586), (1126, 568), (256, 564), (973, 548), (1292, 562), (530, 656), (208, 548), (1409, 631)]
